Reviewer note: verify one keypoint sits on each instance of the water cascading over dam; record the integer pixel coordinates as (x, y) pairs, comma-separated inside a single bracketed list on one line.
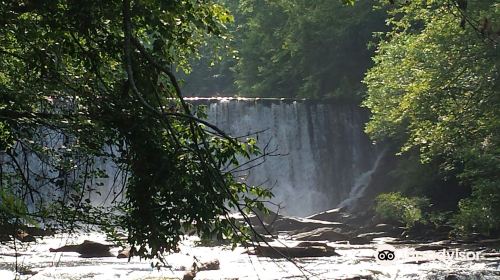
[(325, 159), (322, 158)]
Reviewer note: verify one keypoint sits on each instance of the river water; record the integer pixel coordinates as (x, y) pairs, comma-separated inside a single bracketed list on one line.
[(354, 261)]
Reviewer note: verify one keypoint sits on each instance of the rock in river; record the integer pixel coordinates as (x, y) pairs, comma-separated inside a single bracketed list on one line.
[(87, 249), (294, 252), (322, 234)]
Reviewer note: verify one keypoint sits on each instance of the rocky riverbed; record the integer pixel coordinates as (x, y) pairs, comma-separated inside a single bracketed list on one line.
[(302, 248)]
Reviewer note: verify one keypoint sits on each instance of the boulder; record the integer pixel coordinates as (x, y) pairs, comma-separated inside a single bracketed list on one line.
[(495, 241), (372, 235), (359, 240), (35, 231), (364, 277), (319, 234), (259, 221), (23, 236), (388, 228), (5, 237), (87, 249), (312, 243), (261, 238), (261, 217), (125, 253), (210, 265), (295, 224), (22, 233), (257, 239), (190, 275), (493, 255), (332, 215), (203, 266)]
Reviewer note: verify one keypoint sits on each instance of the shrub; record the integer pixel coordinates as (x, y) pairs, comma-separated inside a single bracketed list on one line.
[(439, 218), (396, 207), (479, 213)]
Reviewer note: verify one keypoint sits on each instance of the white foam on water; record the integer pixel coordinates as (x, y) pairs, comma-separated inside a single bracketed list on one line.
[(235, 264)]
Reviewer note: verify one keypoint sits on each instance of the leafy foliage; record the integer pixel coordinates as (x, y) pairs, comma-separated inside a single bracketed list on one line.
[(293, 48), (479, 213), (86, 87), (435, 88), (396, 207), (305, 49)]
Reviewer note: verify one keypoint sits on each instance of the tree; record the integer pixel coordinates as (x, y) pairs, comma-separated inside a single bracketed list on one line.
[(308, 49), (291, 48), (435, 88), (82, 82)]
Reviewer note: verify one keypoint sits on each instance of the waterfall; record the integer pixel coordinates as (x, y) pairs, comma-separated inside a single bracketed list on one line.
[(324, 158), (47, 180), (324, 153), (361, 183)]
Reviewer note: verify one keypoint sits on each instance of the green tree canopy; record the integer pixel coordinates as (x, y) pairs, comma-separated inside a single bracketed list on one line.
[(293, 48), (312, 49)]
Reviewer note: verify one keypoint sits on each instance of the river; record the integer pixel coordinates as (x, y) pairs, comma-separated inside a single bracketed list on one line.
[(354, 261)]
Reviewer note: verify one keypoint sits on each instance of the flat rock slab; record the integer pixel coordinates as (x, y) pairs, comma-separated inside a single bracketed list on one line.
[(491, 255), (322, 234), (489, 241), (431, 247), (390, 229), (371, 235), (294, 252), (333, 215), (87, 249), (295, 224), (359, 241)]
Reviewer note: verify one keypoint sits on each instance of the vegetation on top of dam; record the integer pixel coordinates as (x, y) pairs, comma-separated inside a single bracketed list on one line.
[(89, 82)]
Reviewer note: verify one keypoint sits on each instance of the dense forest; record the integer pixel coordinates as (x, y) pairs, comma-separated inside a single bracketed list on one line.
[(77, 76), (435, 91), (292, 49)]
